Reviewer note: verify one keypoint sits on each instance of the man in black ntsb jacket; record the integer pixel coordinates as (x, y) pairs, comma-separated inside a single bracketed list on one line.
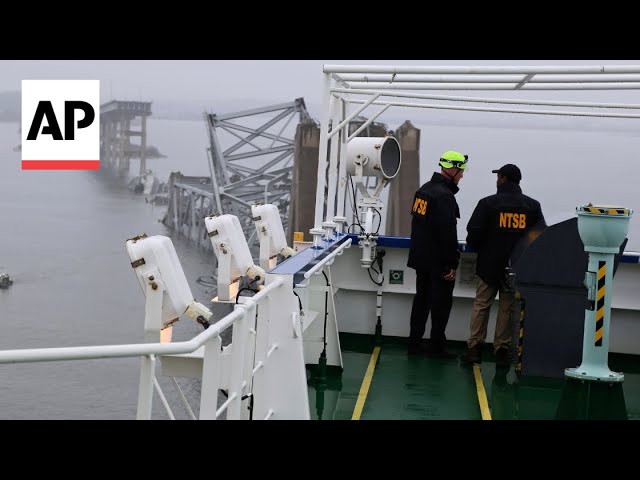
[(434, 254), (496, 225)]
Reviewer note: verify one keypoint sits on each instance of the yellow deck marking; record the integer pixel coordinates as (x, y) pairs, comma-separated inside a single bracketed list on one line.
[(366, 383), (482, 395)]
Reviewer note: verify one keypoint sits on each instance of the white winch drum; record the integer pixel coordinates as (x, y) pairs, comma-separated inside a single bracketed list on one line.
[(380, 156), (268, 216), (226, 234), (158, 252)]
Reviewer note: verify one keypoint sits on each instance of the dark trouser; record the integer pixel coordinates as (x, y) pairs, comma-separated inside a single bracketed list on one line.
[(433, 295)]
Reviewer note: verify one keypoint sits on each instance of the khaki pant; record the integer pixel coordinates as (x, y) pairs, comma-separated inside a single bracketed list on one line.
[(485, 295)]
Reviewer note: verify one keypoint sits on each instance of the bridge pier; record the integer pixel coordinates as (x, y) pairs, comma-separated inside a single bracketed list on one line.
[(116, 148)]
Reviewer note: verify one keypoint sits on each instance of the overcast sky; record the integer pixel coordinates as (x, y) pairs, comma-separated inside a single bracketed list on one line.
[(209, 80)]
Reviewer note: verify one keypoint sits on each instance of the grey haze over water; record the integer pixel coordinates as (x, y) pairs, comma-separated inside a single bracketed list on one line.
[(63, 233)]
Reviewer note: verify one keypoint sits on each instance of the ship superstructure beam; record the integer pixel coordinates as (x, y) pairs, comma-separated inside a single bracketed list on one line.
[(360, 88)]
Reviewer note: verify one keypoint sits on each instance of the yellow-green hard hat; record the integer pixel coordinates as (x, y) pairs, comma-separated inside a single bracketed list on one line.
[(451, 159)]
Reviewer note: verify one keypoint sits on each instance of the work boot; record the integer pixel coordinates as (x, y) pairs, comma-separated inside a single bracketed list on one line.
[(417, 348), (503, 357), (438, 349), (473, 355), (440, 354)]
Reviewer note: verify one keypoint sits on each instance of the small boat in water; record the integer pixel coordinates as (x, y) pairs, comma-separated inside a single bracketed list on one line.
[(5, 280)]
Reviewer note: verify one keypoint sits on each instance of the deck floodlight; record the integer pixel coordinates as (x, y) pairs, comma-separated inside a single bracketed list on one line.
[(231, 250), (271, 234), (378, 157), (164, 284), (374, 157)]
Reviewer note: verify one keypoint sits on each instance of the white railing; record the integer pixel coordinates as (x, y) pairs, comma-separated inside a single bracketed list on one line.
[(328, 260), (242, 320)]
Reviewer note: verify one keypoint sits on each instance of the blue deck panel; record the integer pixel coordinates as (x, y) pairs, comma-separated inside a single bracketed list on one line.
[(305, 259)]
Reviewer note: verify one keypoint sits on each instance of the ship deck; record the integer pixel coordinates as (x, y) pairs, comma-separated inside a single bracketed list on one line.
[(388, 384)]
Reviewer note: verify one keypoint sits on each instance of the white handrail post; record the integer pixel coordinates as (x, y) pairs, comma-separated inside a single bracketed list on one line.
[(249, 355), (260, 384), (152, 325), (210, 379), (335, 344), (145, 391), (329, 224), (342, 168), (317, 230), (240, 338)]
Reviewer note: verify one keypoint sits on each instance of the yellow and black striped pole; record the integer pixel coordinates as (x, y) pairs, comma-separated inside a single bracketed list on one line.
[(600, 300)]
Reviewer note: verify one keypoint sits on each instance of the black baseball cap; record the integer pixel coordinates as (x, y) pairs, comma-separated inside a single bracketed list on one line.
[(511, 171)]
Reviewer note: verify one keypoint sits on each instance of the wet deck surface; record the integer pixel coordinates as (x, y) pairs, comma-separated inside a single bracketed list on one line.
[(413, 387)]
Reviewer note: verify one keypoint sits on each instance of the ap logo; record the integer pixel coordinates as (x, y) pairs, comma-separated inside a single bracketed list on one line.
[(60, 124)]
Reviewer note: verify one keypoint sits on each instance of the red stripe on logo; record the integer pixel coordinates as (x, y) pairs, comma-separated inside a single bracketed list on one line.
[(61, 165)]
